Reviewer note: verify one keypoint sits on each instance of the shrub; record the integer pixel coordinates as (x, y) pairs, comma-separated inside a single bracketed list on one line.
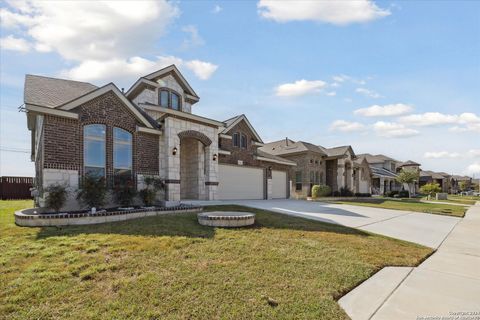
[(321, 191), (56, 197), (336, 193), (93, 191), (363, 195), (345, 192), (391, 194), (430, 189), (152, 185), (404, 194), (125, 191)]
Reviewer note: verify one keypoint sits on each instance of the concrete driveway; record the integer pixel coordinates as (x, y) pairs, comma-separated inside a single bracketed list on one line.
[(426, 229)]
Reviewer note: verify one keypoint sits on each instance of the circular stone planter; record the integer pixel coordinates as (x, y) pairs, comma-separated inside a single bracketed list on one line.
[(227, 219)]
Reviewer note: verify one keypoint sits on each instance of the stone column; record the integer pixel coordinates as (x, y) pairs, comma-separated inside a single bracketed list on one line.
[(340, 174), (172, 166), (211, 174), (382, 185)]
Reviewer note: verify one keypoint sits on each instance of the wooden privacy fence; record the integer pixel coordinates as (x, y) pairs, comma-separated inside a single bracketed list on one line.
[(15, 188)]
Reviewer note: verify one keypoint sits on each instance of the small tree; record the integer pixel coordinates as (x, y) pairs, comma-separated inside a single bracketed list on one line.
[(408, 177), (93, 191), (431, 189), (152, 186), (56, 197), (321, 191), (462, 185)]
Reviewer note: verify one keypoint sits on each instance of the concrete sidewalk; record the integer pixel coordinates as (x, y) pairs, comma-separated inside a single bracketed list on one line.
[(445, 285)]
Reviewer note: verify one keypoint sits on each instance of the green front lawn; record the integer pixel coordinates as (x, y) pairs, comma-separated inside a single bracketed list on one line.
[(170, 267), (408, 205)]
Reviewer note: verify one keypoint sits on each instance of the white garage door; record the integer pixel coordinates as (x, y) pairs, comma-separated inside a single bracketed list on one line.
[(279, 184), (237, 182)]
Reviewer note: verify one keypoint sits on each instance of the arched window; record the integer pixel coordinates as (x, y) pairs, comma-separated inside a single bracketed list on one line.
[(164, 98), (175, 101), (122, 155), (94, 149), (169, 99)]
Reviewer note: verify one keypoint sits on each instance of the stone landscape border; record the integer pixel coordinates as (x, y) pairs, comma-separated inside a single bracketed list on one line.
[(28, 217)]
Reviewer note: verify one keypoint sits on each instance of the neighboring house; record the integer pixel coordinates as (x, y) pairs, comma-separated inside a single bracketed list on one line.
[(79, 129), (443, 179), (335, 167), (384, 172), (411, 166), (246, 172), (455, 183)]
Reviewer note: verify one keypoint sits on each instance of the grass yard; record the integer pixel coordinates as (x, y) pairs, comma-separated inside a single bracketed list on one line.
[(170, 267), (409, 205), (470, 200)]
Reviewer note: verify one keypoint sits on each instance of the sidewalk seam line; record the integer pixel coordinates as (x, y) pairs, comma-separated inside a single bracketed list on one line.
[(391, 293), (367, 224)]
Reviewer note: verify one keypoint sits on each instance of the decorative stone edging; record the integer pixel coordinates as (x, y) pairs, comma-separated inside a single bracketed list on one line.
[(226, 219), (26, 218)]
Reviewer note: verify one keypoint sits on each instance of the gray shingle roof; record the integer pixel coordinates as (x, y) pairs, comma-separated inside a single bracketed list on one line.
[(51, 92), (287, 146), (264, 154), (378, 158), (381, 172), (409, 163)]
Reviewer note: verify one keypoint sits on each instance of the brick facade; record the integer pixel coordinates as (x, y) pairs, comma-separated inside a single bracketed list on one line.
[(63, 138)]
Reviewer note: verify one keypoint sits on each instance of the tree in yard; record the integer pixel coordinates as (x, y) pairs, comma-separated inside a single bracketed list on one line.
[(462, 185), (430, 189), (407, 177)]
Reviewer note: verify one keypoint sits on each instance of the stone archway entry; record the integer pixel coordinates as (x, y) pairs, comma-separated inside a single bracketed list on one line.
[(193, 151)]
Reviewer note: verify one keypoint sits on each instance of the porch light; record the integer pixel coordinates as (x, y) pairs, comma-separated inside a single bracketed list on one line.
[(215, 157), (174, 151)]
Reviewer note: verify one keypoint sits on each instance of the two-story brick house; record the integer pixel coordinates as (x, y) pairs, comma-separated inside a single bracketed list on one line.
[(79, 129), (335, 167)]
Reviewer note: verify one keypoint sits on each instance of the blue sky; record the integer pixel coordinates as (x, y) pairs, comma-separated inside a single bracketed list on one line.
[(400, 78)]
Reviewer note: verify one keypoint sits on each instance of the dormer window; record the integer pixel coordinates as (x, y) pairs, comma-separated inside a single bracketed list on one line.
[(164, 98), (175, 103), (243, 141), (169, 99), (236, 139)]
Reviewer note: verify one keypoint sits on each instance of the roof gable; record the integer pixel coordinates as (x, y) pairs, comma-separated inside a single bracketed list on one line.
[(232, 122), (173, 70), (141, 116)]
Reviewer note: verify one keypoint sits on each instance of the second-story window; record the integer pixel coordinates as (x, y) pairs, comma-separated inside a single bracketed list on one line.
[(236, 139), (243, 141), (169, 99), (164, 99), (175, 103)]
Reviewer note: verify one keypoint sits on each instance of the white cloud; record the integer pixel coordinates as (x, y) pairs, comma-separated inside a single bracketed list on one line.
[(331, 93), (334, 12), (217, 9), (299, 88), (101, 36), (467, 121), (201, 69), (473, 169), (393, 130), (474, 152), (97, 70), (368, 93), (338, 79), (441, 155), (194, 39), (14, 44), (346, 126), (388, 110)]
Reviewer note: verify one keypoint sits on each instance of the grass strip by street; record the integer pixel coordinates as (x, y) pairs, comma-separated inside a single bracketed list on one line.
[(408, 205), (170, 267)]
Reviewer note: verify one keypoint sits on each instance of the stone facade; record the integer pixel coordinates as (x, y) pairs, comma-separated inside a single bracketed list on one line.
[(311, 167)]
